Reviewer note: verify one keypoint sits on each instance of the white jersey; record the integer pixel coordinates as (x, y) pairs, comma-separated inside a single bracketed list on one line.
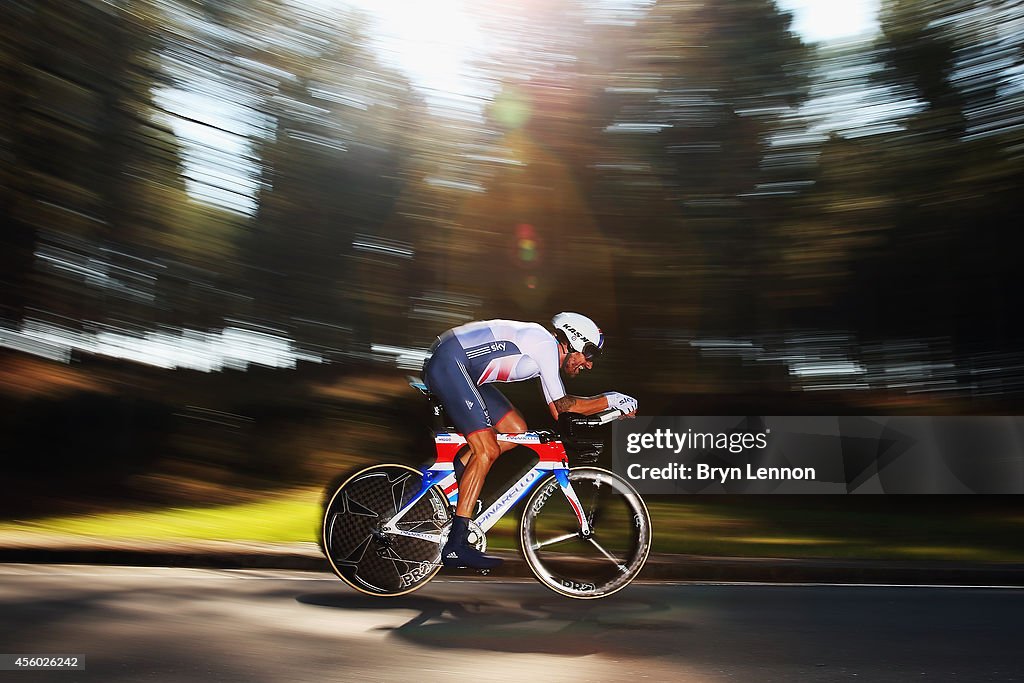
[(511, 351)]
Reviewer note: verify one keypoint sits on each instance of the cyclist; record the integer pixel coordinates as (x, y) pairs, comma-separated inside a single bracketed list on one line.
[(463, 365)]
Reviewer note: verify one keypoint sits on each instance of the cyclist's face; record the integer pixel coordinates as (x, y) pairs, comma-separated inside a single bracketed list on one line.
[(576, 362)]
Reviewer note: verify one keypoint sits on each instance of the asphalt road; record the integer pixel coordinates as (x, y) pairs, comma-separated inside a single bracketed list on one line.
[(158, 624)]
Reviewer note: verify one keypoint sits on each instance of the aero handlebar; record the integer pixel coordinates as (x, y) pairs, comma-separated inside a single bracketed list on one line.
[(600, 418)]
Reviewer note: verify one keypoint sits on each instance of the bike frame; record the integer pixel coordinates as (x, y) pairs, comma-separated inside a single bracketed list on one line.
[(552, 460)]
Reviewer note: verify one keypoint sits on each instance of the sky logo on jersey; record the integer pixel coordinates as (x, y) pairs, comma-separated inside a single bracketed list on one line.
[(502, 347)]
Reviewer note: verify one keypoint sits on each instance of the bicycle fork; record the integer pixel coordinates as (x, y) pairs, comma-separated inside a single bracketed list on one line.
[(562, 476)]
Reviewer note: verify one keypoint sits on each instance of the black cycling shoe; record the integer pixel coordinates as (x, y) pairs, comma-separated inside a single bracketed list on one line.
[(468, 557), (457, 553)]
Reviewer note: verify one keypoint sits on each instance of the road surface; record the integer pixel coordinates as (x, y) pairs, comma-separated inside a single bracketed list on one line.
[(162, 625)]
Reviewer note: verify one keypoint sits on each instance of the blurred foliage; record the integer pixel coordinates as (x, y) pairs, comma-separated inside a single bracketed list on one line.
[(664, 164), (679, 170), (683, 171)]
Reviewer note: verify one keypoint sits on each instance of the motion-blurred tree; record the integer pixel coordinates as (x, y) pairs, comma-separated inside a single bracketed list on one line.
[(528, 237), (708, 90), (17, 235), (954, 176), (332, 163), (93, 172)]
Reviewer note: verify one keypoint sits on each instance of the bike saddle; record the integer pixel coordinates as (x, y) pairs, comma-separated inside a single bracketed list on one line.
[(419, 384), (441, 420)]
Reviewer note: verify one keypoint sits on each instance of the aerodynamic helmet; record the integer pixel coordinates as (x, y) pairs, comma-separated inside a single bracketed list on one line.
[(580, 333)]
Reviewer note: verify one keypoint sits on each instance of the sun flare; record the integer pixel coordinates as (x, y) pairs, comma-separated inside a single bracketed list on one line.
[(433, 42)]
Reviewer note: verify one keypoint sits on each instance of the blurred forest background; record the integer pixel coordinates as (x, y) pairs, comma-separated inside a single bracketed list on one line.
[(231, 227)]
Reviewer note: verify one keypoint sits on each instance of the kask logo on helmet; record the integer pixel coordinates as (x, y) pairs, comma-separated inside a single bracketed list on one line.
[(572, 329), (579, 330)]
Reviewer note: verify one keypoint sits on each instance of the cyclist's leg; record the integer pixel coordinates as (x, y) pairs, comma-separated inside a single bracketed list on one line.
[(457, 552), (509, 421), (506, 420), (447, 377), (484, 450)]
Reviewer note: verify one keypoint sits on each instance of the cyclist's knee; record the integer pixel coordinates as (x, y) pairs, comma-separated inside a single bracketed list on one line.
[(485, 449), (513, 423), (488, 452)]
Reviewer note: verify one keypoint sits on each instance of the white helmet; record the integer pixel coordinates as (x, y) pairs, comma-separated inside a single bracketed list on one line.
[(581, 333)]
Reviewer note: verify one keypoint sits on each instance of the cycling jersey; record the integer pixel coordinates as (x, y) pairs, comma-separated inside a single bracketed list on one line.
[(466, 358), (510, 351)]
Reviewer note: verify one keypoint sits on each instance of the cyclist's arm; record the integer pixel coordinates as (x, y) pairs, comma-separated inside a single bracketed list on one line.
[(584, 405), (545, 354)]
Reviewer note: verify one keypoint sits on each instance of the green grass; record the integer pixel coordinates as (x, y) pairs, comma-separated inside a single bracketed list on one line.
[(293, 517), (846, 529), (743, 527), (748, 527)]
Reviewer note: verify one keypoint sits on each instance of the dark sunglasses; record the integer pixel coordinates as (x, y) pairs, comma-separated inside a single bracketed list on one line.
[(591, 351)]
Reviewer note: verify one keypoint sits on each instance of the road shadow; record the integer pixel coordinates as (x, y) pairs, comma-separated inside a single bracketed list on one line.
[(540, 625)]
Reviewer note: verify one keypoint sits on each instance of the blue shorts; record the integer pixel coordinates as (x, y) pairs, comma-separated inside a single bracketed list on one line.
[(469, 406)]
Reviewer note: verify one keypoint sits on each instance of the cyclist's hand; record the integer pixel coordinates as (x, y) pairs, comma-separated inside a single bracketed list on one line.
[(627, 404)]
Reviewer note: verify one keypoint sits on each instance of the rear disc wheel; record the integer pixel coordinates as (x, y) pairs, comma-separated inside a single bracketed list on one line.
[(365, 557)]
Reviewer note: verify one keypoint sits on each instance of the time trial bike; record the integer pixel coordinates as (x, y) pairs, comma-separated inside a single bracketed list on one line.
[(583, 531)]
